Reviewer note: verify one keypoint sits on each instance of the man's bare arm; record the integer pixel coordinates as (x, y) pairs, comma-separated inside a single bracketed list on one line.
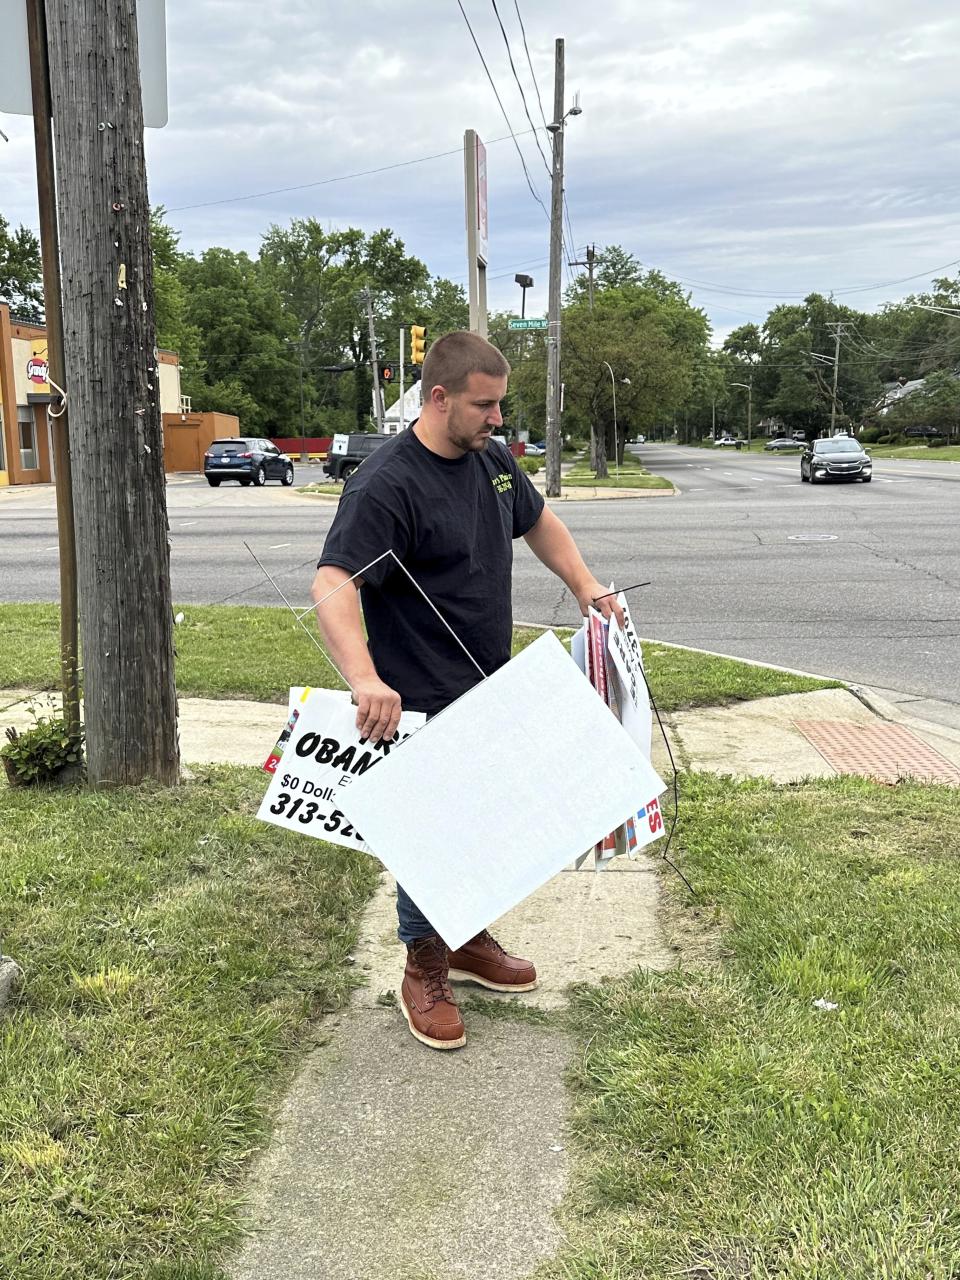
[(552, 542), (378, 706)]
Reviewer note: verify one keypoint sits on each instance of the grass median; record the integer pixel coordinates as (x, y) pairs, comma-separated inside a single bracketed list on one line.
[(242, 651), (176, 951), (630, 476), (790, 1106)]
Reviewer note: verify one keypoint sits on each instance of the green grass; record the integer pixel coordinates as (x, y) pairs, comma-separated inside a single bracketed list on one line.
[(632, 476), (328, 490), (242, 651), (948, 453), (175, 950), (731, 1129)]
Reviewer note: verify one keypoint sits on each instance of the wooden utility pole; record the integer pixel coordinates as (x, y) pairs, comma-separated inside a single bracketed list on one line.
[(838, 332), (374, 361), (590, 263), (53, 314), (553, 311), (113, 386)]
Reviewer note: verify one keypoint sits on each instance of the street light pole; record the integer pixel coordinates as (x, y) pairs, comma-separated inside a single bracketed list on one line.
[(525, 282), (616, 447), (748, 387)]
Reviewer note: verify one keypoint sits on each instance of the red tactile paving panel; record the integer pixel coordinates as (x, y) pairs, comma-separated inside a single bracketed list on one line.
[(883, 751)]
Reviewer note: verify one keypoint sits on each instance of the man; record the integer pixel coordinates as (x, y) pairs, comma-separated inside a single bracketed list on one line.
[(449, 502)]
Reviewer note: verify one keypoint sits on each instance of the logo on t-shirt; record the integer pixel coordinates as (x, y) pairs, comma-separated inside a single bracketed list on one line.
[(502, 482)]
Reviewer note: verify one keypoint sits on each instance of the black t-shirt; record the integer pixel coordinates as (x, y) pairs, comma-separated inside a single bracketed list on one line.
[(451, 522)]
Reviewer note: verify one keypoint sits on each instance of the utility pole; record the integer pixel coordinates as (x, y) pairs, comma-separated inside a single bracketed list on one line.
[(589, 262), (110, 345), (374, 366), (553, 318), (838, 328), (53, 312)]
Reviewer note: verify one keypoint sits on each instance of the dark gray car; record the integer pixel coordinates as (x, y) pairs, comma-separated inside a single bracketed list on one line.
[(249, 459), (840, 458)]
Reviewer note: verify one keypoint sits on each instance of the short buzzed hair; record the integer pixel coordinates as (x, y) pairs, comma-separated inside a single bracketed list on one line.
[(452, 358)]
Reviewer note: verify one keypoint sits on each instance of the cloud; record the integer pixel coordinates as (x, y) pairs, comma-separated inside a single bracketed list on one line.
[(780, 147)]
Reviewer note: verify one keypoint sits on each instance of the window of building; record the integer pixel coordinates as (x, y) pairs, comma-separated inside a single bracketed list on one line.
[(28, 439), (3, 454)]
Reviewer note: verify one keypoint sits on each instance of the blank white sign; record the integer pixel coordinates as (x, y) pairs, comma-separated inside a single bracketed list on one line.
[(15, 95), (501, 791)]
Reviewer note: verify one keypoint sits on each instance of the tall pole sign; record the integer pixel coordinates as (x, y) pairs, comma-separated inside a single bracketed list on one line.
[(475, 193)]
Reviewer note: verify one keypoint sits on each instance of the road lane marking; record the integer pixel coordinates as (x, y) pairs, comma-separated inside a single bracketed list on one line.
[(277, 546), (184, 523)]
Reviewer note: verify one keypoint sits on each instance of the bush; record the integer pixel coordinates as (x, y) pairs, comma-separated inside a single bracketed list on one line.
[(41, 754), (530, 465), (938, 442), (871, 435)]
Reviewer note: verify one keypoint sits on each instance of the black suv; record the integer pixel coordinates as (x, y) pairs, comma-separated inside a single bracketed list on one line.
[(339, 466), (249, 459)]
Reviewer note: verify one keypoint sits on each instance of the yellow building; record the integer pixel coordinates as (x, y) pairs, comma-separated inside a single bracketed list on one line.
[(26, 452)]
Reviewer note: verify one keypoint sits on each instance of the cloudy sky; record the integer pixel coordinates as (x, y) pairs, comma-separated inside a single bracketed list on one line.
[(755, 153)]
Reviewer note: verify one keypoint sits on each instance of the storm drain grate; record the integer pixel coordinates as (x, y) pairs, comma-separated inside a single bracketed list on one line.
[(886, 752)]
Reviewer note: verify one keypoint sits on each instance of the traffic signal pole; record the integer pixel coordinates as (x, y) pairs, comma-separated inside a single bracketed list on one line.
[(402, 423)]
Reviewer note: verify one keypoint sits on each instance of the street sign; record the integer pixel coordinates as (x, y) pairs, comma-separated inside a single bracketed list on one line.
[(535, 322), (15, 95)]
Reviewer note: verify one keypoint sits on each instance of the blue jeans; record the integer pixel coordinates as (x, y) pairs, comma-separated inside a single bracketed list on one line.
[(413, 923)]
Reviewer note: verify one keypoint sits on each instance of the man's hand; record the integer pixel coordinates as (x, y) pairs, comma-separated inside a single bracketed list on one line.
[(378, 708), (598, 596)]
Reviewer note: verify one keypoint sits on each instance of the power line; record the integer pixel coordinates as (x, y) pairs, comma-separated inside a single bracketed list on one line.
[(733, 291), (533, 76), (523, 96), (570, 249), (496, 94), (345, 177)]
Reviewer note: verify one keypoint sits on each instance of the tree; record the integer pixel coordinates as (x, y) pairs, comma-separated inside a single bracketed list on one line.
[(248, 353), (320, 276), (21, 273), (445, 307), (651, 340)]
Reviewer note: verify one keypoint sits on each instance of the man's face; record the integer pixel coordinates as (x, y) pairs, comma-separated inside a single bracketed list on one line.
[(473, 414)]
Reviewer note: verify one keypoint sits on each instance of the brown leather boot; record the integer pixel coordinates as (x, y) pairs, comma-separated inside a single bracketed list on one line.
[(426, 999), (483, 960)]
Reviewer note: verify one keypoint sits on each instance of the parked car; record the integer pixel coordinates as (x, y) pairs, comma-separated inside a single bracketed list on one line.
[(249, 459), (339, 466), (923, 433), (727, 442), (841, 458), (534, 450), (782, 443)]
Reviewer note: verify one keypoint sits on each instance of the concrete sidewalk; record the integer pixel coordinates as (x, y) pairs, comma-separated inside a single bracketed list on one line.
[(389, 1159)]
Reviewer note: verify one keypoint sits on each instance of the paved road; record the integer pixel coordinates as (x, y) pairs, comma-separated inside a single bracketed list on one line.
[(856, 581)]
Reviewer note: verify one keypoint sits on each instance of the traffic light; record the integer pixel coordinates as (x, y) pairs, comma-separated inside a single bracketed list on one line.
[(418, 339), (387, 373)]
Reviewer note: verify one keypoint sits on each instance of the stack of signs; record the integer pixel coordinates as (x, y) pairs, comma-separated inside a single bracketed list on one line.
[(611, 658), (466, 841), (319, 754)]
